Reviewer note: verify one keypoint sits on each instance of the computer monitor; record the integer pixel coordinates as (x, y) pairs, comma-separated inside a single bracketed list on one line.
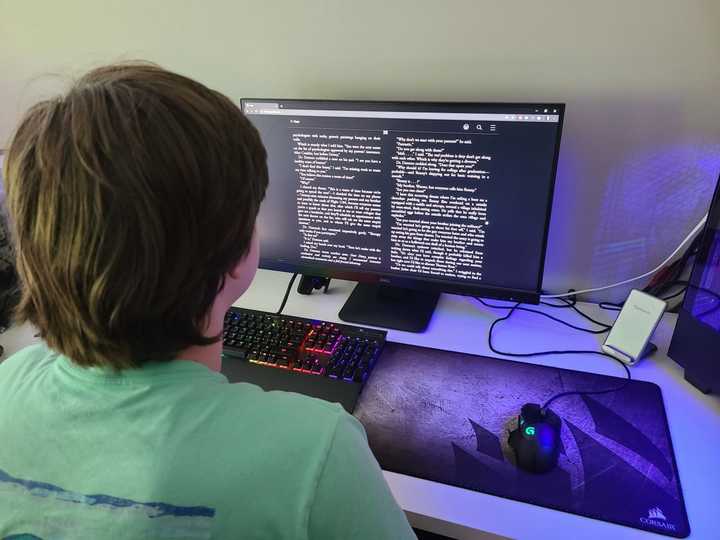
[(696, 341), (409, 199)]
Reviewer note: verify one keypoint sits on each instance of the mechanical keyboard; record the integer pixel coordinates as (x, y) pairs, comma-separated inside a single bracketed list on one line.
[(279, 352)]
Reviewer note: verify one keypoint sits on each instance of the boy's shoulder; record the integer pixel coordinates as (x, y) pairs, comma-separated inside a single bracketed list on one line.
[(27, 359), (238, 405), (295, 412), (272, 426)]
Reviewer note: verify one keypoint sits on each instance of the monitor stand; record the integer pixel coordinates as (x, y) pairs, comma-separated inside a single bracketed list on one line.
[(390, 307)]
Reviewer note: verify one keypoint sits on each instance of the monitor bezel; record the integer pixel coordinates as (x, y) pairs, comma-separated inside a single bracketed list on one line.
[(366, 276)]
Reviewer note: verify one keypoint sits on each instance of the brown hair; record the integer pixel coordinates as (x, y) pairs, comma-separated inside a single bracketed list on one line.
[(130, 199)]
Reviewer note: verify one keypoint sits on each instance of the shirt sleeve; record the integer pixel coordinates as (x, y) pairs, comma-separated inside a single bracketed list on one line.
[(352, 499)]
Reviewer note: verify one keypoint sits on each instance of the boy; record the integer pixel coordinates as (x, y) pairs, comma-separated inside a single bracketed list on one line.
[(132, 201)]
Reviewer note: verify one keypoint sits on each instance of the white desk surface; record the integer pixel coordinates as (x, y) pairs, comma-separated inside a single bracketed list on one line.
[(461, 324)]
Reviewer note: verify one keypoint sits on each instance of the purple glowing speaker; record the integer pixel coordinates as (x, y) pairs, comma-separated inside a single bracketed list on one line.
[(696, 342)]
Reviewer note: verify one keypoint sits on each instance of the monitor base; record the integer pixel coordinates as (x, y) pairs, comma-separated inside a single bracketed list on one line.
[(390, 307)]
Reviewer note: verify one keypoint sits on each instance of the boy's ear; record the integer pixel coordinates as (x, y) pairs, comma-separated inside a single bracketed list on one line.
[(244, 269), (236, 270)]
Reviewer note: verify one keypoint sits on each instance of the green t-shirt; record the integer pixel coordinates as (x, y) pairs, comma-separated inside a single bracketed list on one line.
[(172, 451)]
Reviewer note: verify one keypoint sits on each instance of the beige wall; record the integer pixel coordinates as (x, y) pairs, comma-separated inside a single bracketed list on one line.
[(641, 79)]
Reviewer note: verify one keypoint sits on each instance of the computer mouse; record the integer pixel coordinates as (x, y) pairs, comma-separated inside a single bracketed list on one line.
[(536, 441)]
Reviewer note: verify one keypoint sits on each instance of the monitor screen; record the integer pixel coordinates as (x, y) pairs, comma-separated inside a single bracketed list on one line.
[(453, 197)]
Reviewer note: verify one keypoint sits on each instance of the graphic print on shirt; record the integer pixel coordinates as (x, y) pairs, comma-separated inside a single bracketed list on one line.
[(42, 511)]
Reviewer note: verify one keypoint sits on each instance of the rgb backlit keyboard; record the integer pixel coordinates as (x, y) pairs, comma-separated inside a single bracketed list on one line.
[(303, 346)]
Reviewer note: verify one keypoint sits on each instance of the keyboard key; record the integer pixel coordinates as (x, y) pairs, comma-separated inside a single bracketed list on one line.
[(317, 348), (359, 374), (283, 360), (348, 372), (337, 370)]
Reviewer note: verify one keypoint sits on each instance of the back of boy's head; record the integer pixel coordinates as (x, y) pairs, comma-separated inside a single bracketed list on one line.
[(130, 198)]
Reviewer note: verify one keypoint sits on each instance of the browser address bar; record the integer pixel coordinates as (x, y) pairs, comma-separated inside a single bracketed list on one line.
[(405, 115)]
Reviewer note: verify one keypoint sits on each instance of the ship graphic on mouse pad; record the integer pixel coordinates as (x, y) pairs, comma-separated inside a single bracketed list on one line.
[(447, 417)]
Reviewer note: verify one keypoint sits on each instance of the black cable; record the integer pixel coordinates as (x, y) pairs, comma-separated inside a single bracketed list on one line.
[(673, 270), (287, 293), (667, 278), (547, 353), (606, 328), (565, 302), (610, 306), (674, 295), (592, 392), (572, 305), (617, 306)]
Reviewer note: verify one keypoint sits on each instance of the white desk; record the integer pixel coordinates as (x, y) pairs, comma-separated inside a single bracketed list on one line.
[(461, 324)]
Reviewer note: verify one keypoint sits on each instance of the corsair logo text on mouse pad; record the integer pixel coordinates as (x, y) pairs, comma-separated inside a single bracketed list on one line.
[(446, 417), (657, 519)]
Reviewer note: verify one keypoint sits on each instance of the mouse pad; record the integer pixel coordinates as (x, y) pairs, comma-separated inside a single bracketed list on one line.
[(446, 417)]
